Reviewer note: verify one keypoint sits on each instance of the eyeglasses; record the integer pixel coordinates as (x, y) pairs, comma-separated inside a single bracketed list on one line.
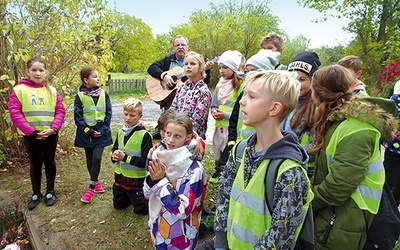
[(180, 45)]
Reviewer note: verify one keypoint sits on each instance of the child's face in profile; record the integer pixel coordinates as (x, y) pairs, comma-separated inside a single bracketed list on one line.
[(225, 72), (305, 81), (93, 80), (256, 104), (131, 117), (175, 135)]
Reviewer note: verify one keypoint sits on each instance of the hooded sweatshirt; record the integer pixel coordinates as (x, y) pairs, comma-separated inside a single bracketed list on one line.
[(280, 233)]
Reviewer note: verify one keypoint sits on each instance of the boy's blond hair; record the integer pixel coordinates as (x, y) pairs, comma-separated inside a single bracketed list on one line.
[(351, 62), (274, 38), (280, 85), (133, 105)]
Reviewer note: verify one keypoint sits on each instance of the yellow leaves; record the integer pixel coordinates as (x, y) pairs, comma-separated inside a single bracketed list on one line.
[(4, 77)]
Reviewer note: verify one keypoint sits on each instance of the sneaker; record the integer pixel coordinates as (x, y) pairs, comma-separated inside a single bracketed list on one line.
[(98, 188), (35, 200), (88, 196), (50, 199)]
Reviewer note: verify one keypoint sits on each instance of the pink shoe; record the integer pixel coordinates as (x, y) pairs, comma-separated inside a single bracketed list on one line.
[(88, 196), (98, 188)]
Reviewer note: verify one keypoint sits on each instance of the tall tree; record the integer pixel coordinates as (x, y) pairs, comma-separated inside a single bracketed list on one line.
[(68, 34), (130, 43), (233, 25), (375, 22)]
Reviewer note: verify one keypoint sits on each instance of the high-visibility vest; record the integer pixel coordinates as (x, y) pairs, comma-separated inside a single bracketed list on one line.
[(38, 105), (133, 147), (93, 113), (227, 107), (248, 216), (368, 193)]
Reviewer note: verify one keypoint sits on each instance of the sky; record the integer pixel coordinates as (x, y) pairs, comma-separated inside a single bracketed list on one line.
[(161, 15)]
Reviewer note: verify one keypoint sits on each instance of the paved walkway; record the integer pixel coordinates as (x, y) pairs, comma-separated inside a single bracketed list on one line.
[(151, 112)]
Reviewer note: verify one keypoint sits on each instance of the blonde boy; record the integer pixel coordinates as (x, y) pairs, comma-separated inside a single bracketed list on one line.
[(129, 153), (239, 224)]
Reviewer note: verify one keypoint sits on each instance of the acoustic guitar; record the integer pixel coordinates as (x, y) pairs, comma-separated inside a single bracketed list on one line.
[(159, 91)]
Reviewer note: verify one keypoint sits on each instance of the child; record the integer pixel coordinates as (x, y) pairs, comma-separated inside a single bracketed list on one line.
[(163, 119), (39, 123), (274, 42), (349, 170), (300, 120), (226, 92), (239, 224), (354, 64), (193, 97), (130, 151), (176, 187), (92, 115)]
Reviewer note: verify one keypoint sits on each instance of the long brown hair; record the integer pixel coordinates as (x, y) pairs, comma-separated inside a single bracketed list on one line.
[(307, 108), (330, 86)]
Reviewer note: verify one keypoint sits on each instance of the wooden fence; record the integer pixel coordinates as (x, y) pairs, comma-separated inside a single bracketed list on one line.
[(125, 85)]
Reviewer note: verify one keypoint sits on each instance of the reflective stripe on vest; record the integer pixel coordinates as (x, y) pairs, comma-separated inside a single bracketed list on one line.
[(248, 216), (38, 105), (93, 113), (133, 147), (368, 193), (227, 107)]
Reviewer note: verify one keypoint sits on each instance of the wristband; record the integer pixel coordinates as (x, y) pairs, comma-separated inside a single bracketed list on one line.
[(163, 75)]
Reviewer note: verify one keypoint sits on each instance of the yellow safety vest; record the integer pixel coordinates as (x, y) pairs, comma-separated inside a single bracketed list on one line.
[(368, 193), (38, 105), (93, 113), (227, 107), (248, 216), (133, 147)]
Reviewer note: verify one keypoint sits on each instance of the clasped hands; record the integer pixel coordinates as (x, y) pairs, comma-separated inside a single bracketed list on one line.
[(156, 170), (45, 133)]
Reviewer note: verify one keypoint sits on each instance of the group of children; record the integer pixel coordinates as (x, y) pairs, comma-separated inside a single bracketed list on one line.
[(292, 114)]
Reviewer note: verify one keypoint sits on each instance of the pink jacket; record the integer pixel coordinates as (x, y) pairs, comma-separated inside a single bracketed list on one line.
[(18, 118)]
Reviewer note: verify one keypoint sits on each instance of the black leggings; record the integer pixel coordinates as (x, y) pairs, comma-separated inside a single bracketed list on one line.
[(93, 163), (39, 152), (392, 168)]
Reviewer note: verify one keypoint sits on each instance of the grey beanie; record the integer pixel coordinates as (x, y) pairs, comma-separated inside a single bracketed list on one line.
[(264, 59)]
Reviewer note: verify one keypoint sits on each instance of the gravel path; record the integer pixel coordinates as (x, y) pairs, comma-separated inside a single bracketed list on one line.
[(151, 112)]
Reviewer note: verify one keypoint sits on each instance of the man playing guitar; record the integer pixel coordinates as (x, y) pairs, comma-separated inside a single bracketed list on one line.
[(159, 70)]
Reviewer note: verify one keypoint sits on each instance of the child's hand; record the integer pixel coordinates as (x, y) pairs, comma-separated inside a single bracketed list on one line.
[(118, 155), (156, 170), (218, 114), (45, 133), (96, 134)]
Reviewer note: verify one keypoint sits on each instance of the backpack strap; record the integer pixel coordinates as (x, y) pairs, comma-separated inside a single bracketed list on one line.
[(238, 152), (270, 181)]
